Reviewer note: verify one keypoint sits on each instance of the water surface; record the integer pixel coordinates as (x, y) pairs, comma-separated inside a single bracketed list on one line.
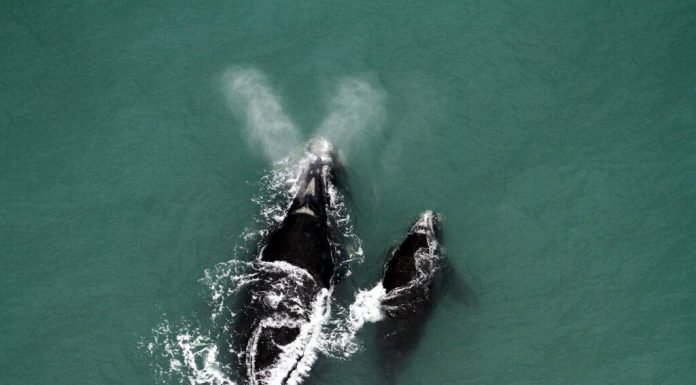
[(557, 140)]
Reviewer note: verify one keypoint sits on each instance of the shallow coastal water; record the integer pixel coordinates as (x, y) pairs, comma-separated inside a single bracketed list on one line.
[(557, 141)]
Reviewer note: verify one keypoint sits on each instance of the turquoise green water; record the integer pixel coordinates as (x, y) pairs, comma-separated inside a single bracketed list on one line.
[(557, 140)]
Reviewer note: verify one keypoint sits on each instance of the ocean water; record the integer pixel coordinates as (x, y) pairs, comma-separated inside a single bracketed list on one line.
[(557, 140)]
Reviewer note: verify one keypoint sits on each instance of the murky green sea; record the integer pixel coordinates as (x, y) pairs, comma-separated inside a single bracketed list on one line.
[(557, 139)]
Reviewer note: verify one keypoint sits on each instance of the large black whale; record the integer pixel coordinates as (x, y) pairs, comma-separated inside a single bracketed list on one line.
[(303, 238), (286, 308), (411, 275)]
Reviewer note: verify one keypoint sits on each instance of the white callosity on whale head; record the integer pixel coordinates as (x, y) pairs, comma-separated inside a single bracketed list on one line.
[(317, 150), (322, 149), (311, 188), (305, 210), (426, 223)]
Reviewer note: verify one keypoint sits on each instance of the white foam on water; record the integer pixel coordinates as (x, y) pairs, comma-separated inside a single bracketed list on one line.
[(341, 339), (320, 315), (186, 355), (252, 98), (357, 107), (297, 357), (201, 358), (367, 306)]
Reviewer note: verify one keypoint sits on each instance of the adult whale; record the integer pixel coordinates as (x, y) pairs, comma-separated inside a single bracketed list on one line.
[(304, 237), (289, 302), (411, 275)]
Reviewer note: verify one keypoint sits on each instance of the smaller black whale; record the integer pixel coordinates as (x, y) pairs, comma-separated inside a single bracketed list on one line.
[(410, 280)]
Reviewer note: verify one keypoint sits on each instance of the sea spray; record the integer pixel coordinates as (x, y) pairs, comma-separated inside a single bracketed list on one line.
[(355, 111), (251, 97), (357, 108)]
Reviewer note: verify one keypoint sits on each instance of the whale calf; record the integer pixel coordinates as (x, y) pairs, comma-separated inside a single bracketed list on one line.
[(411, 272), (289, 303)]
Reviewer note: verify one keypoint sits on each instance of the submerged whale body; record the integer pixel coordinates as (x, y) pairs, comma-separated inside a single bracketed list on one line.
[(409, 281), (286, 308), (411, 267)]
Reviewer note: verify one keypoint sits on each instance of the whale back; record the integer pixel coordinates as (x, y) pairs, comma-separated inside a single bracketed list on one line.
[(401, 267), (303, 238), (409, 279)]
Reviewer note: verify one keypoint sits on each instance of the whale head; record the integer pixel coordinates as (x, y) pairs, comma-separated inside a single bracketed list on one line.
[(312, 186), (405, 265), (428, 224), (409, 279)]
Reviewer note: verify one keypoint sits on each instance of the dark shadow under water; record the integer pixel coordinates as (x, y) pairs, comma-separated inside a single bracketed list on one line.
[(399, 333)]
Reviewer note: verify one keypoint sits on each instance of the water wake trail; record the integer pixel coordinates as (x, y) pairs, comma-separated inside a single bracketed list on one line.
[(185, 354), (341, 339), (357, 108), (253, 100)]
